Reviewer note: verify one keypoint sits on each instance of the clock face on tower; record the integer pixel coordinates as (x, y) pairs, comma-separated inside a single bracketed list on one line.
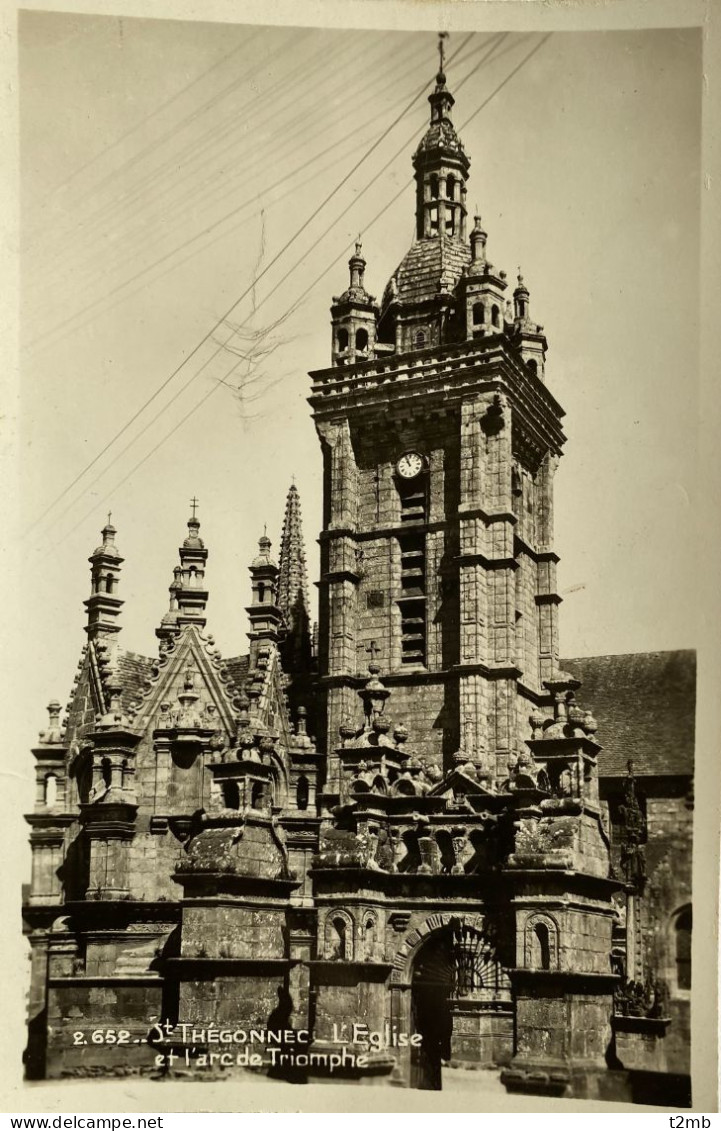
[(409, 465)]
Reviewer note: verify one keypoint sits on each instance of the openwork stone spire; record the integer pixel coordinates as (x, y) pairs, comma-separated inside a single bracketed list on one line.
[(292, 591)]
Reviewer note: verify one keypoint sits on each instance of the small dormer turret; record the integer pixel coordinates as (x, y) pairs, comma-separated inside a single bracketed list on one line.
[(104, 605), (484, 289), (529, 334), (264, 614), (355, 316), (188, 592)]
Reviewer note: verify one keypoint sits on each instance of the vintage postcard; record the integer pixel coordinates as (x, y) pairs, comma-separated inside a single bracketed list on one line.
[(359, 558)]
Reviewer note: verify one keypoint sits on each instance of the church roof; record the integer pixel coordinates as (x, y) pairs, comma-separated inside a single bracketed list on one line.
[(645, 706), (237, 668), (429, 268), (134, 670)]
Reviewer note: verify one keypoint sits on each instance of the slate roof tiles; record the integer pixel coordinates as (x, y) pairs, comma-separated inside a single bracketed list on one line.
[(645, 707)]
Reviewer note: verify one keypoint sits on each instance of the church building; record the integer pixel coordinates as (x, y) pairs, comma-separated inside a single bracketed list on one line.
[(414, 842)]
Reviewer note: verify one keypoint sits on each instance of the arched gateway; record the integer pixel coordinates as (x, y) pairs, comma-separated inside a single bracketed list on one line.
[(455, 994)]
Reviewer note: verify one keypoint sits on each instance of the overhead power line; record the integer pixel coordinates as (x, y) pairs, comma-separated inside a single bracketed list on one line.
[(99, 305), (153, 223), (305, 224), (194, 150), (214, 388), (154, 113), (206, 337)]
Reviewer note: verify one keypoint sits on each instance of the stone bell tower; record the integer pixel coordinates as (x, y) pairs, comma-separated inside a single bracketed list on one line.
[(472, 757), (440, 441)]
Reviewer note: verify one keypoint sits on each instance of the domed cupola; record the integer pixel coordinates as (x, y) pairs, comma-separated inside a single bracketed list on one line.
[(420, 307)]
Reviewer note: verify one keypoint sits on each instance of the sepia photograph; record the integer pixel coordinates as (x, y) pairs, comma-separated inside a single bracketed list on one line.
[(358, 435)]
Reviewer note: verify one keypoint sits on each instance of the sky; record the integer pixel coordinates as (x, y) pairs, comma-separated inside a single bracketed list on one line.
[(166, 165)]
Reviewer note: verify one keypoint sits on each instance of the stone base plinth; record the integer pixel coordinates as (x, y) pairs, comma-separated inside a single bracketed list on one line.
[(563, 1081)]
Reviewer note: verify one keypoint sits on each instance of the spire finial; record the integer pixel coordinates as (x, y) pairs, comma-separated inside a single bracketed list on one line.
[(110, 515), (194, 504), (357, 265), (442, 37)]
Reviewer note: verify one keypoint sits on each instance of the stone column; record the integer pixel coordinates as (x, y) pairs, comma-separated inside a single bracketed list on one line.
[(47, 840), (301, 936), (547, 598), (486, 580), (339, 573), (110, 829)]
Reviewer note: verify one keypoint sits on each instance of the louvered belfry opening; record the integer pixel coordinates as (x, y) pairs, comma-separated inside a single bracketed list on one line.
[(412, 600)]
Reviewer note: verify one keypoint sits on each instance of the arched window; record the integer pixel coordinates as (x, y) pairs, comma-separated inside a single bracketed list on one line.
[(420, 340), (256, 796), (342, 340), (682, 931), (231, 795), (543, 950), (434, 187), (301, 792), (495, 316), (340, 931), (369, 937), (51, 789), (541, 943), (109, 583), (533, 366), (361, 339), (339, 936), (479, 314), (451, 188), (107, 771)]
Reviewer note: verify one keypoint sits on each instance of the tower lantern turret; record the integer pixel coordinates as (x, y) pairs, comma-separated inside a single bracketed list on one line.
[(441, 170)]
